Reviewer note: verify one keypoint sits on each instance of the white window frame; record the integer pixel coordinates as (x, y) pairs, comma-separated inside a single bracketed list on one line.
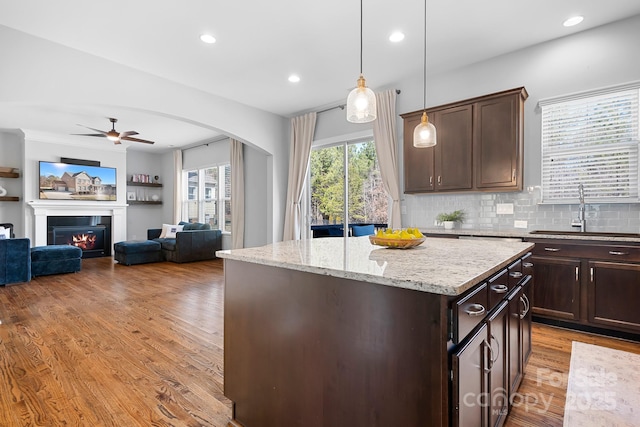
[(201, 194), (580, 146)]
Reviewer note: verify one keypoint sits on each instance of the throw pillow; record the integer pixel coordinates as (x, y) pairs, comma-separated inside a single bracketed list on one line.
[(5, 233), (169, 231)]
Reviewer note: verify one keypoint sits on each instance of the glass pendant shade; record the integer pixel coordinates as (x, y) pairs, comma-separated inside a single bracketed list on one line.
[(361, 103), (424, 135)]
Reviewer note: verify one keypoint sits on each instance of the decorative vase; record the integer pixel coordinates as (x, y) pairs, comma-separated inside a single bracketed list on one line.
[(3, 192), (448, 225), (155, 197)]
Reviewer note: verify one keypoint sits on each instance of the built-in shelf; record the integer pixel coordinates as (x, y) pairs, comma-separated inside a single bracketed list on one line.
[(9, 199), (144, 202), (9, 175), (143, 184)]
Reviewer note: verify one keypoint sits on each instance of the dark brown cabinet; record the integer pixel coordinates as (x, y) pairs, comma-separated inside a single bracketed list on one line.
[(557, 292), (590, 283), (492, 329), (480, 146), (614, 294)]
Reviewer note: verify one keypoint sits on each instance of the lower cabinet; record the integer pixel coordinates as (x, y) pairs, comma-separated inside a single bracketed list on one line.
[(588, 283), (488, 363), (613, 294)]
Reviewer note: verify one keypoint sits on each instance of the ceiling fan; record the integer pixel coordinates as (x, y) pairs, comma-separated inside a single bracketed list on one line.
[(114, 135)]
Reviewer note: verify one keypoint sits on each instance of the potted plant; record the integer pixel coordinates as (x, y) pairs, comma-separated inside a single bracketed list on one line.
[(449, 219)]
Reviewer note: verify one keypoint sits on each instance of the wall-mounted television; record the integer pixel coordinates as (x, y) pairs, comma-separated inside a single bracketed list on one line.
[(65, 181)]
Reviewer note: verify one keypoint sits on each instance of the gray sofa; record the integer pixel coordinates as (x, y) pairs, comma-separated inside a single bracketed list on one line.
[(196, 242)]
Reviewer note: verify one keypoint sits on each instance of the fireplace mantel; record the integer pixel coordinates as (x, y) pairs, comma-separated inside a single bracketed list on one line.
[(43, 209)]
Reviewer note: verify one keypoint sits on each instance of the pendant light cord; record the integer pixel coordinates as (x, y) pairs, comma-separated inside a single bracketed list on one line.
[(424, 95), (361, 37)]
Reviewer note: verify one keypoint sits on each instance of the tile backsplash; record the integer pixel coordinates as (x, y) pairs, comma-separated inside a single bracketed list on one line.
[(481, 212)]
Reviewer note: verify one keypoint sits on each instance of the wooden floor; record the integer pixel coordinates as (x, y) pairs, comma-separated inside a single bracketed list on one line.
[(142, 346)]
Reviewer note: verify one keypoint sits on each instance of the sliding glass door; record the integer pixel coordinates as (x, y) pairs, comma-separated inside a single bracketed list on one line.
[(363, 201)]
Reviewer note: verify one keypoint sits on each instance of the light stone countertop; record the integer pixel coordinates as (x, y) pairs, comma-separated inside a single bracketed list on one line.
[(441, 266), (526, 234)]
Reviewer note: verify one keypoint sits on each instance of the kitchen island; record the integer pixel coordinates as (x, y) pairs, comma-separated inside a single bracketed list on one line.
[(338, 332)]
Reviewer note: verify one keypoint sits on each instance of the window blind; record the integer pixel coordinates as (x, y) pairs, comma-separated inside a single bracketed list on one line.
[(591, 139)]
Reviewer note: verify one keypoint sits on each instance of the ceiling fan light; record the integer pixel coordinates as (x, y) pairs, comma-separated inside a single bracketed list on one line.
[(113, 136), (424, 135), (361, 103)]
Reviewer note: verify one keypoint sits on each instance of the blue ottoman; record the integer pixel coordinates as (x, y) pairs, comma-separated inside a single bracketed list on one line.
[(137, 252), (55, 259)]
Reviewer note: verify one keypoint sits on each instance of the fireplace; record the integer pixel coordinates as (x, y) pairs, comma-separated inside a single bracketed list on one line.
[(92, 234)]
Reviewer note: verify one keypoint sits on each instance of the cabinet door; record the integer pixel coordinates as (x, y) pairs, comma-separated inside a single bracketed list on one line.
[(497, 146), (526, 299), (454, 150), (557, 290), (470, 365), (516, 308), (418, 162), (614, 293), (498, 374)]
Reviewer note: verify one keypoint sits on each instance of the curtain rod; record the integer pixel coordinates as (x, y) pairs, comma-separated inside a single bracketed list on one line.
[(341, 106), (221, 138)]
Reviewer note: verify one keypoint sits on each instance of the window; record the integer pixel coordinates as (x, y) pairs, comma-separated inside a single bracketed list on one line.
[(367, 199), (592, 139), (208, 196)]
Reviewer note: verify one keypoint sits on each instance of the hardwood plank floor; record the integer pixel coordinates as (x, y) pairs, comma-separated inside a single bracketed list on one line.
[(142, 346), (115, 346)]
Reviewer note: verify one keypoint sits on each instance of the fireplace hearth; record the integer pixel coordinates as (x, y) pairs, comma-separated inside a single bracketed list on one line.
[(92, 234)]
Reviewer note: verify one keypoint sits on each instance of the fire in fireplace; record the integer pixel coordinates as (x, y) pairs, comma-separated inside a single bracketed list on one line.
[(91, 239), (92, 234)]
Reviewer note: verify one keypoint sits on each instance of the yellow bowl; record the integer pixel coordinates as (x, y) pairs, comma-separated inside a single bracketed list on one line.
[(396, 243)]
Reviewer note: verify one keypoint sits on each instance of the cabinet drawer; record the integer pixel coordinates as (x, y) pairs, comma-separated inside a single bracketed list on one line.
[(498, 288), (468, 312), (587, 249), (515, 274)]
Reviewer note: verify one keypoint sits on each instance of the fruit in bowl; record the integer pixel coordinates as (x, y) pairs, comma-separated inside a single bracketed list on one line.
[(400, 239)]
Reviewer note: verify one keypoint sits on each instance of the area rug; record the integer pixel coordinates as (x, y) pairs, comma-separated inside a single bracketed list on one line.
[(603, 387)]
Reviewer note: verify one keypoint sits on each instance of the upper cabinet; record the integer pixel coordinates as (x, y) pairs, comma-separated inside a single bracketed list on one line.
[(480, 146)]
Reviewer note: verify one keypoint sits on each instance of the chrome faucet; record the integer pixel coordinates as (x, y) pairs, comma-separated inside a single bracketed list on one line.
[(581, 221)]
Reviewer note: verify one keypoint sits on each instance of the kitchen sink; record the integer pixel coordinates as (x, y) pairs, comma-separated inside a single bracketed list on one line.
[(585, 233)]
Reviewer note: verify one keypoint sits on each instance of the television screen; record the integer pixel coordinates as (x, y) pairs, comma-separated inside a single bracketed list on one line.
[(64, 181)]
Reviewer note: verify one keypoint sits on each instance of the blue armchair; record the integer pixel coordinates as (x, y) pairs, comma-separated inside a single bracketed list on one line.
[(15, 261)]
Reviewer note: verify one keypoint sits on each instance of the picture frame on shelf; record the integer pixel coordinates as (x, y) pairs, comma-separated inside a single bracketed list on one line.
[(131, 195)]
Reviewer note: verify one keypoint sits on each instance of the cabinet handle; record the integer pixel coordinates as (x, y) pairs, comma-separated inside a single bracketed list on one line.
[(527, 305), (515, 274), (493, 338), (552, 249), (439, 180), (577, 274), (591, 271), (513, 175), (527, 265), (431, 180), (618, 253), (490, 363), (475, 310), (500, 289)]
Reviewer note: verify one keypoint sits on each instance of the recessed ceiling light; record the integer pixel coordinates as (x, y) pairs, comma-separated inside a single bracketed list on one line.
[(574, 20), (396, 37), (294, 79), (208, 38)]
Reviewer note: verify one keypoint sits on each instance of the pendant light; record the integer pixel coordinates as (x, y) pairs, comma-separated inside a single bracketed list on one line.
[(424, 135), (361, 103)]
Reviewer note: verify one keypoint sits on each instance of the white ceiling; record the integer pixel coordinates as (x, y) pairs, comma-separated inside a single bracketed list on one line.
[(259, 44)]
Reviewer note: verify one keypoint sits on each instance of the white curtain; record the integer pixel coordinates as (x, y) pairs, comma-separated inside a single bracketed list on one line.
[(237, 195), (302, 129), (177, 186), (384, 134)]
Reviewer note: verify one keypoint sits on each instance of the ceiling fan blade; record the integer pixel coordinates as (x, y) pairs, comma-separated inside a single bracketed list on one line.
[(96, 130), (127, 138), (89, 134), (128, 133)]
